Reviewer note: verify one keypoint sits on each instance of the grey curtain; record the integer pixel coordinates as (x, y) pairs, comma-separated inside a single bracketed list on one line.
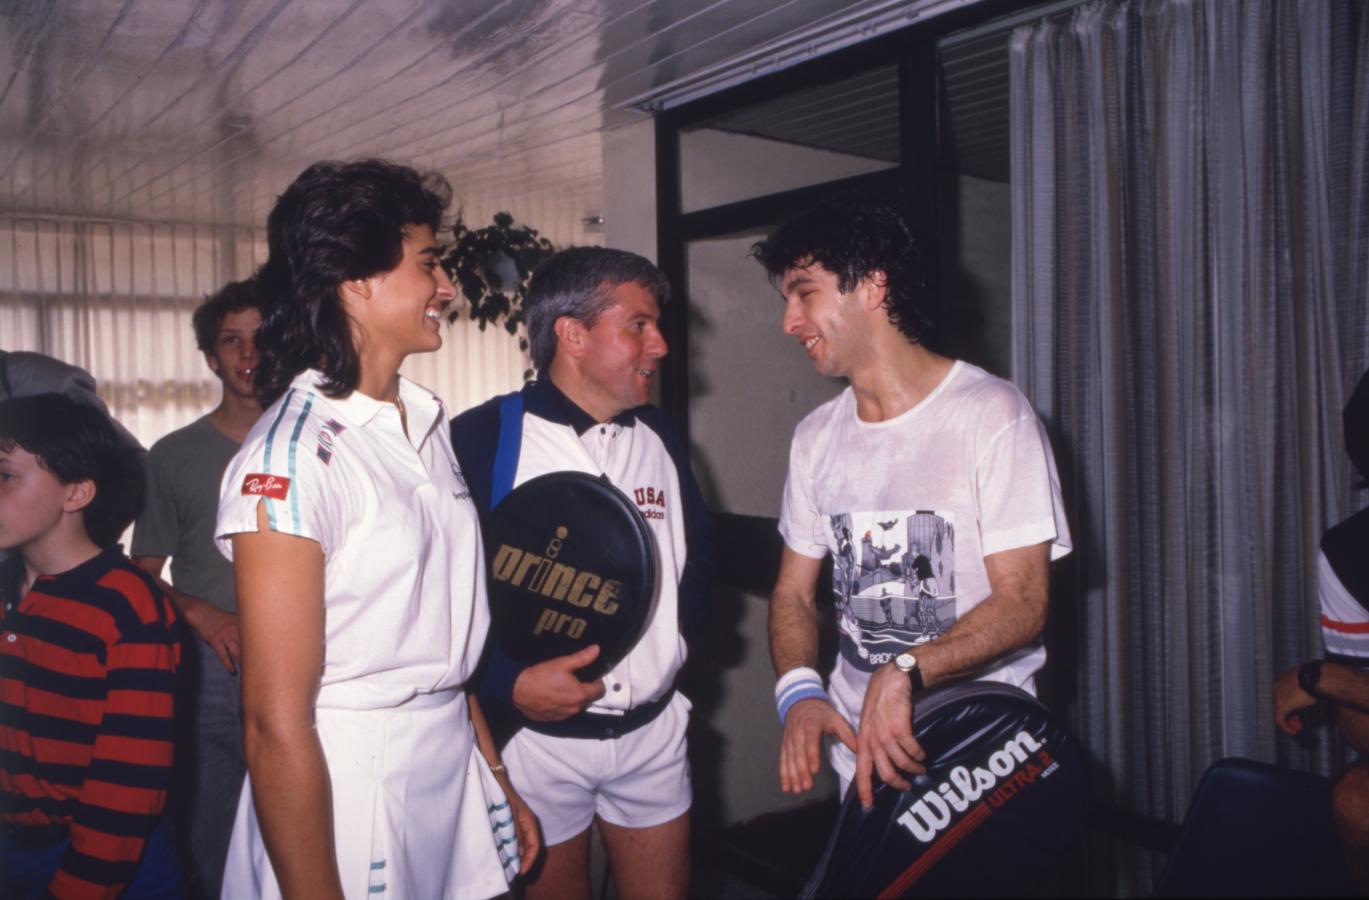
[(1191, 309)]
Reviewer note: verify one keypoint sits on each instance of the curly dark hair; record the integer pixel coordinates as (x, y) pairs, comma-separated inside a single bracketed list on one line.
[(336, 222), (579, 283), (75, 441), (209, 315), (852, 235)]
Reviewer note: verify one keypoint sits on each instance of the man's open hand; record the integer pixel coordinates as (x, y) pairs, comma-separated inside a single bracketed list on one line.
[(801, 746)]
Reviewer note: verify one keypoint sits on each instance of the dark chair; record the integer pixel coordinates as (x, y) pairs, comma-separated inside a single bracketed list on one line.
[(1256, 830)]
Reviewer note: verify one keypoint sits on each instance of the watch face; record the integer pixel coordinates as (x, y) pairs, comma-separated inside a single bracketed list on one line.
[(1309, 673), (905, 661)]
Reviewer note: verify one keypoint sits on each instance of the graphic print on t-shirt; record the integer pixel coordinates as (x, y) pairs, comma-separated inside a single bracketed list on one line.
[(893, 576)]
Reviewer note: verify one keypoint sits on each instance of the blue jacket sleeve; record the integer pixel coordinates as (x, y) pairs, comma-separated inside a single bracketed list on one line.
[(475, 437)]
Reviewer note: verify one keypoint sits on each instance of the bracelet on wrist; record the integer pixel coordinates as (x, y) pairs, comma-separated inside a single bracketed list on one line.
[(498, 769)]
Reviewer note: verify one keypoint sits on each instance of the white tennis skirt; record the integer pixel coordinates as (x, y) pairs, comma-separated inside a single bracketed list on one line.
[(416, 813)]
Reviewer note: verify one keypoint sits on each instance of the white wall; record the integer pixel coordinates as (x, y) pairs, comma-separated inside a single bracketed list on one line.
[(718, 167), (977, 277), (750, 383), (630, 188)]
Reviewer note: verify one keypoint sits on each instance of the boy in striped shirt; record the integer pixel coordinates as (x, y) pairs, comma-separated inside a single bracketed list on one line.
[(88, 654)]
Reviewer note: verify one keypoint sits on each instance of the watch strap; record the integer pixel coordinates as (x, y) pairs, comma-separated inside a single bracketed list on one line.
[(914, 672), (1309, 673)]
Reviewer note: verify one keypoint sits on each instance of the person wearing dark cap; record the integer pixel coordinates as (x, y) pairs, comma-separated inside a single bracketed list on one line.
[(1341, 678), (24, 374)]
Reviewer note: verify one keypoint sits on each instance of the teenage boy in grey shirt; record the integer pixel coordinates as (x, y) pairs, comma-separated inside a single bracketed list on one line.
[(184, 471)]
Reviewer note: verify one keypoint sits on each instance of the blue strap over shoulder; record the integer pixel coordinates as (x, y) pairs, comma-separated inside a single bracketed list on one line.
[(510, 444)]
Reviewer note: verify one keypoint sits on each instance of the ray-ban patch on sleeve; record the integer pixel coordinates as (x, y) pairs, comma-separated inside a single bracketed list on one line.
[(260, 485)]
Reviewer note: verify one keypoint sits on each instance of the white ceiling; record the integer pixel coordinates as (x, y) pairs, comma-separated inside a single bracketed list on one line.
[(201, 111)]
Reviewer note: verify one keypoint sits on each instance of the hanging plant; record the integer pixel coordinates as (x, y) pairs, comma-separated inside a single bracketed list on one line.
[(492, 266)]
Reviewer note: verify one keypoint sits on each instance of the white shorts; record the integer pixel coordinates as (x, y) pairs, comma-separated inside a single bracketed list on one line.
[(635, 781)]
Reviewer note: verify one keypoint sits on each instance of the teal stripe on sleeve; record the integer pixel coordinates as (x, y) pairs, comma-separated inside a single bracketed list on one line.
[(266, 456), (294, 448)]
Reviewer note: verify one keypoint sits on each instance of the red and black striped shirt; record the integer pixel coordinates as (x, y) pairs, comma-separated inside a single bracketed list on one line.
[(87, 663)]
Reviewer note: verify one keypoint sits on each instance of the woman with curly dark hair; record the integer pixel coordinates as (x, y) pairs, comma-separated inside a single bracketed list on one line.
[(359, 569)]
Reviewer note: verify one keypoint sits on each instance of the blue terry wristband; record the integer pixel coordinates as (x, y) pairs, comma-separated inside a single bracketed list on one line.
[(798, 684)]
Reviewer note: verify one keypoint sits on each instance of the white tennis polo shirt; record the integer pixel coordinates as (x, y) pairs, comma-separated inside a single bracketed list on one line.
[(404, 596)]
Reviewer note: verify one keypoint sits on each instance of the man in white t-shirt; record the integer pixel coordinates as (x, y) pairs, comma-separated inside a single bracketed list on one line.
[(937, 465)]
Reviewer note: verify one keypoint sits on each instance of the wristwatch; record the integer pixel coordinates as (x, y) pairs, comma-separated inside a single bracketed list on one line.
[(907, 664), (1309, 673)]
